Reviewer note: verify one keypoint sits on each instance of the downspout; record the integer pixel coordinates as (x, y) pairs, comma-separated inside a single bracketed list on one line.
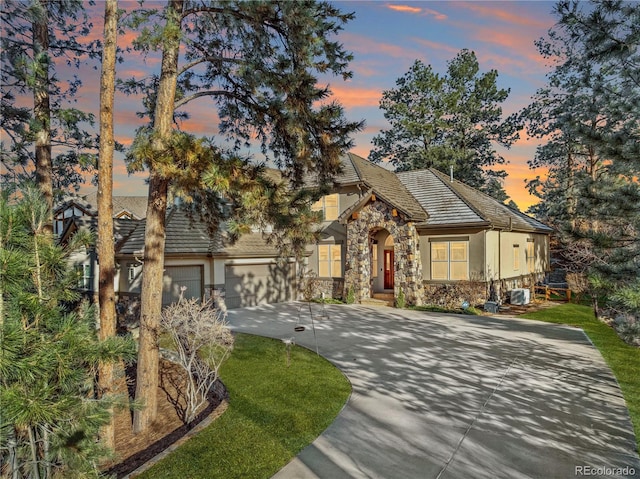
[(500, 256), (484, 258)]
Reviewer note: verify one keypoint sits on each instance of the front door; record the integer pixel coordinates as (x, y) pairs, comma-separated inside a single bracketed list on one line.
[(388, 269)]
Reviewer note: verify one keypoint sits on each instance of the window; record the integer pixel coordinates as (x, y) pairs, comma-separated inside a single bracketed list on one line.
[(329, 205), (449, 260), (516, 257), (84, 276), (329, 260), (131, 272), (531, 258)]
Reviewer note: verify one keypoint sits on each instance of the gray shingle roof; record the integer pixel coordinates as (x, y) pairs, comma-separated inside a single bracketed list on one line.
[(437, 198), (451, 203), (186, 236), (121, 228), (349, 174), (182, 236), (248, 245), (386, 185)]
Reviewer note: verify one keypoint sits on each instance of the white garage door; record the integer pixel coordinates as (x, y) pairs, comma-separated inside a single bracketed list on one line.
[(253, 284), (176, 277)]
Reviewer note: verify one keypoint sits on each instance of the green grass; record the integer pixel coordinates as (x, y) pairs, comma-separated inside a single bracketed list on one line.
[(622, 358), (274, 412)]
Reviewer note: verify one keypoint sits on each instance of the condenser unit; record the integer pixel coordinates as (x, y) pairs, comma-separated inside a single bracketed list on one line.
[(520, 296)]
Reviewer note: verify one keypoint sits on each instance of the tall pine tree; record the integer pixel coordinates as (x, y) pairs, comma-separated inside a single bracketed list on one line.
[(589, 113), (48, 143), (50, 417), (257, 62), (447, 121)]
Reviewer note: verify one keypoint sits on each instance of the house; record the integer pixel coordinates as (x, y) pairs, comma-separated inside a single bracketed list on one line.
[(124, 207), (383, 232), (85, 260), (386, 232)]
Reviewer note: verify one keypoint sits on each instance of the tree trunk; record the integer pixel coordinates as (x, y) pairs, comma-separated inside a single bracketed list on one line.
[(151, 289), (42, 108), (151, 304), (105, 250)]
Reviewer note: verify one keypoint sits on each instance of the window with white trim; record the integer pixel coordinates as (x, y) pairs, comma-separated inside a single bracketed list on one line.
[(330, 261), (449, 260), (84, 276), (329, 205)]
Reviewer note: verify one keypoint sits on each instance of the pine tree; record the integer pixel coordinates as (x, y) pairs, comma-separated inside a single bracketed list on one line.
[(257, 62), (105, 248), (50, 418), (590, 115), (48, 143), (447, 121)]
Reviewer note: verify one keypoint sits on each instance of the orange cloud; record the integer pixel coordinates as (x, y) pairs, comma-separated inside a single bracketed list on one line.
[(520, 18), (351, 97), (404, 8), (417, 10), (366, 45)]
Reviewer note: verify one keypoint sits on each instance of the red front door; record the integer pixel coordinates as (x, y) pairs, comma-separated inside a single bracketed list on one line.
[(388, 269)]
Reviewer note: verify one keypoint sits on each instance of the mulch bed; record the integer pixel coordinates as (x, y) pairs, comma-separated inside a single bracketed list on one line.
[(134, 450)]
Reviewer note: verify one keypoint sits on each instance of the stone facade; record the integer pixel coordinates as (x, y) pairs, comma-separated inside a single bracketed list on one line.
[(373, 217), (331, 288)]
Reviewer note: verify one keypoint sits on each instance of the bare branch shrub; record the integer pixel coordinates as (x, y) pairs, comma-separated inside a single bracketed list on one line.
[(203, 341)]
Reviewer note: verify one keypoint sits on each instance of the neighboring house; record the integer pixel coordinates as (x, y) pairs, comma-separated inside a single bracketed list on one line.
[(383, 232), (124, 207), (84, 260)]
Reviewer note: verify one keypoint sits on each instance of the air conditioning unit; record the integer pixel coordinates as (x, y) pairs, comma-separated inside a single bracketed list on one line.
[(520, 296)]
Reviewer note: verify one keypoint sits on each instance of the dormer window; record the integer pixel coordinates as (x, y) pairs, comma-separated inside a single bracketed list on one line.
[(329, 205)]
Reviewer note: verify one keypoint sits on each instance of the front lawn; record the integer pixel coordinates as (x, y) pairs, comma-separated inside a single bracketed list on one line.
[(622, 358), (274, 412)]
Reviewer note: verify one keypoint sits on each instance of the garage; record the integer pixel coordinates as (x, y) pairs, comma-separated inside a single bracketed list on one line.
[(254, 284), (175, 277)]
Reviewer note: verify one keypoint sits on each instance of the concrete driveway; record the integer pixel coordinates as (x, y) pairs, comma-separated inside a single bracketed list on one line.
[(450, 396)]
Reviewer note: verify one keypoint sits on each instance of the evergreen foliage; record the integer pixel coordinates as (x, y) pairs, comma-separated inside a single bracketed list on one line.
[(589, 113), (450, 120), (258, 63), (49, 417), (38, 36)]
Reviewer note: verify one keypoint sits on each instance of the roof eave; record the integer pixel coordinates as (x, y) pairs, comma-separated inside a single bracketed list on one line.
[(426, 226)]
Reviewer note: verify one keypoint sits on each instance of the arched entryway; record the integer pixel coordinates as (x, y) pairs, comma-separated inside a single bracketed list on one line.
[(369, 228), (382, 262)]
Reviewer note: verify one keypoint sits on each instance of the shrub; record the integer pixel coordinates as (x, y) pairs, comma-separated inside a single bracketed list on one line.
[(451, 295), (351, 296), (400, 300), (203, 341)]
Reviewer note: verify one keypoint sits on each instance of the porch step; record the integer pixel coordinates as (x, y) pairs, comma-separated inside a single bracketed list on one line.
[(383, 296), (376, 302)]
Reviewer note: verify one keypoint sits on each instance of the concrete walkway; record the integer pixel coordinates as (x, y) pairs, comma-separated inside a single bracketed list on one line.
[(449, 396)]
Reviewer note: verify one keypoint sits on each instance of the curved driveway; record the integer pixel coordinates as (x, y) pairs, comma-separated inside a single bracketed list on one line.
[(451, 396)]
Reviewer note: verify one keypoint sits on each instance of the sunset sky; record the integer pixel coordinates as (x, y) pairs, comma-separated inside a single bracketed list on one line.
[(385, 39)]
